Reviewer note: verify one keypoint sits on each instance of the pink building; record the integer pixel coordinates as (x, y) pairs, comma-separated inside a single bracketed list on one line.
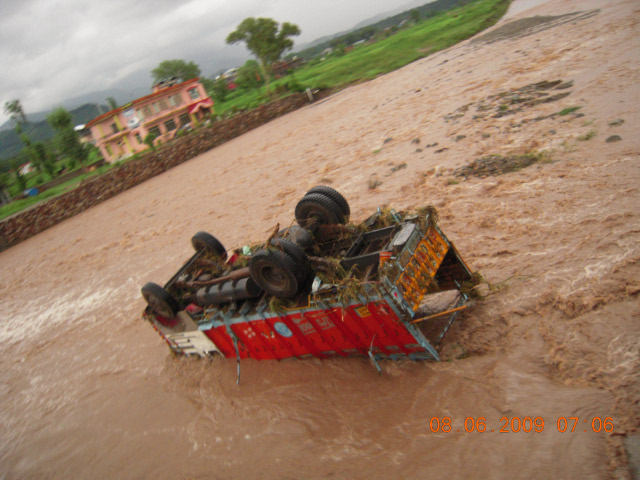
[(121, 132)]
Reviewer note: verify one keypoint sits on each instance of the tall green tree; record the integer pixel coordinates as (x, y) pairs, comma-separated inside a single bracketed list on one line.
[(265, 39), (180, 69), (66, 138), (15, 111), (13, 108)]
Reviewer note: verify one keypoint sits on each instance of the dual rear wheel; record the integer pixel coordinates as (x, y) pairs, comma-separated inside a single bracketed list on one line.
[(322, 205), (282, 269)]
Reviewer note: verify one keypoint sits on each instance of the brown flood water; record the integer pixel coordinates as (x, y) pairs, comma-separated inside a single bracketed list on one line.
[(88, 390)]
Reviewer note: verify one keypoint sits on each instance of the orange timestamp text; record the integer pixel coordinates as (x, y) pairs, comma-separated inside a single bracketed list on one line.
[(522, 424)]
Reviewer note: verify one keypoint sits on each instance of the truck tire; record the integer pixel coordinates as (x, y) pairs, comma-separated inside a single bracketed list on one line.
[(317, 209), (160, 301), (275, 272), (295, 251), (203, 241), (334, 195)]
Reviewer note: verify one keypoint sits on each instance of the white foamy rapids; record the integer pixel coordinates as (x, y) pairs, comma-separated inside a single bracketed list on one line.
[(25, 321)]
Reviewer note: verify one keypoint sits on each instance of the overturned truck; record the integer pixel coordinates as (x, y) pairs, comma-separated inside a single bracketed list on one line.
[(389, 287)]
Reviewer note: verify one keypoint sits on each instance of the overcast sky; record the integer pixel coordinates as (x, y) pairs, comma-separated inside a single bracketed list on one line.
[(53, 50)]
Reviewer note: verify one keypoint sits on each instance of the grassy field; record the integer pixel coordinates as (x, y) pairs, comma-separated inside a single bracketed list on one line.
[(23, 203), (368, 61)]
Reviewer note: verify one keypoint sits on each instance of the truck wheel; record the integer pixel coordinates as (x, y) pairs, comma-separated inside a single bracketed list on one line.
[(275, 272), (205, 242), (317, 209), (160, 301), (296, 252), (334, 195)]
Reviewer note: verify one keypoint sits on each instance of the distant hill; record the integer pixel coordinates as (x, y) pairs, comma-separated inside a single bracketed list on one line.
[(429, 9), (382, 16), (364, 23), (39, 130)]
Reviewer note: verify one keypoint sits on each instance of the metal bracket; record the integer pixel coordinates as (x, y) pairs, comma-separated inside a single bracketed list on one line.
[(373, 357), (454, 315)]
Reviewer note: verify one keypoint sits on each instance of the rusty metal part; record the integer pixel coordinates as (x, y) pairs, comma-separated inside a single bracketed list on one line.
[(234, 275), (209, 264), (441, 314)]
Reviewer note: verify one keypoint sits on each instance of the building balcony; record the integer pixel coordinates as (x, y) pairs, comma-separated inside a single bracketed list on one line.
[(116, 135)]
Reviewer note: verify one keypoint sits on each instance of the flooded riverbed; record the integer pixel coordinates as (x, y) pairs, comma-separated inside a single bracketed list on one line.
[(89, 390)]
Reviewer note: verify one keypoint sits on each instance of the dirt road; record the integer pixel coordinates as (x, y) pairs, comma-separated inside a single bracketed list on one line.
[(89, 391)]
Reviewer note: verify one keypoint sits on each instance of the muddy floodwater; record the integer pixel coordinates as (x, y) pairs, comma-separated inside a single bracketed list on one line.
[(89, 390)]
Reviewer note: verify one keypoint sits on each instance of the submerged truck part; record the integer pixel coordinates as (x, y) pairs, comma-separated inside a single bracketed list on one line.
[(228, 291)]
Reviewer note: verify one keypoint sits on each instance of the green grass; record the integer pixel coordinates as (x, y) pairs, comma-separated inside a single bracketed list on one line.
[(439, 32), (587, 136), (241, 100), (23, 203), (369, 61), (568, 110)]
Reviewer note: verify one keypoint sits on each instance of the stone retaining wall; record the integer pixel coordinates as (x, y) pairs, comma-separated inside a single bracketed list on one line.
[(41, 216)]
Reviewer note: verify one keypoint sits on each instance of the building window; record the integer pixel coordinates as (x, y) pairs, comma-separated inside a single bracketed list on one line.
[(170, 124), (155, 131), (163, 105), (114, 128), (175, 100), (140, 114), (138, 137), (194, 93), (184, 119), (147, 111)]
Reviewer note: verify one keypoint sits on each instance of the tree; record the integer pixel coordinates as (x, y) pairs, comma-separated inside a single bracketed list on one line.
[(111, 103), (249, 75), (20, 180), (151, 136), (207, 83), (179, 69), (220, 89), (14, 109), (44, 160), (66, 139), (59, 119), (265, 39)]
